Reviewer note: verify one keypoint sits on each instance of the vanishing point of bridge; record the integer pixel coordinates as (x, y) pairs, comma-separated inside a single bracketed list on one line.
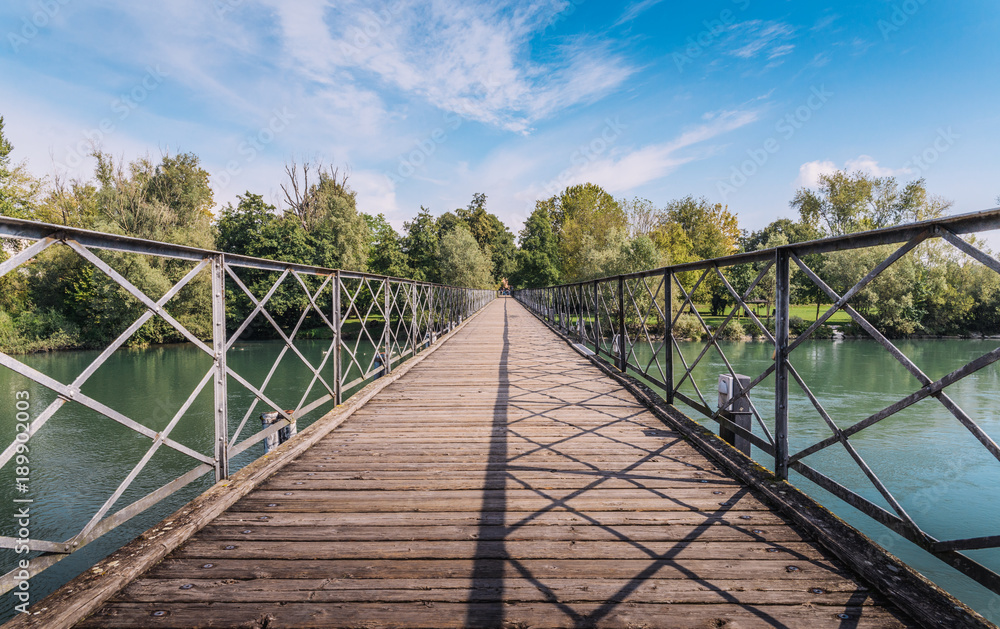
[(503, 481)]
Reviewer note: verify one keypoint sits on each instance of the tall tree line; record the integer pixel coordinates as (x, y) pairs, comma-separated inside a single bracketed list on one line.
[(582, 233)]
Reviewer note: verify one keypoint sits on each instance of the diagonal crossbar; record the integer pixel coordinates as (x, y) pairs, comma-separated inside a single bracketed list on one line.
[(81, 379), (942, 397), (157, 442), (87, 255), (17, 260), (259, 304), (72, 393), (289, 339)]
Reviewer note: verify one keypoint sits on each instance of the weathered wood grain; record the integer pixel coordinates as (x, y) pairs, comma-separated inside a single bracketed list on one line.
[(612, 614), (506, 482)]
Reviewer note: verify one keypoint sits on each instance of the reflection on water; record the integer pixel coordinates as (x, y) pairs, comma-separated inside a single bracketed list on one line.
[(941, 475), (79, 457)]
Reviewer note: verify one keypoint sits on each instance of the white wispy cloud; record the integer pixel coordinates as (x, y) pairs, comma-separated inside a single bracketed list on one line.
[(760, 38), (621, 169), (636, 9), (825, 22), (621, 173), (473, 59), (810, 172)]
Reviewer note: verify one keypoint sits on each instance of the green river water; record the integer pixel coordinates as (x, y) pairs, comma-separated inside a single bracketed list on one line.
[(945, 479)]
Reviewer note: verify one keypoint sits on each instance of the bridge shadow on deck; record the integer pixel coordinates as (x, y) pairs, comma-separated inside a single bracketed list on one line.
[(486, 602), (488, 566), (575, 508)]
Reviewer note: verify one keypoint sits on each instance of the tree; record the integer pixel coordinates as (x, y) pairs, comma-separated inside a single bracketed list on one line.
[(326, 209), (891, 302), (462, 262), (495, 239), (72, 203), (637, 254), (18, 189), (643, 217), (144, 199), (255, 228), (182, 185), (538, 256), (421, 246), (447, 222), (385, 255), (170, 201), (712, 229), (851, 202), (786, 231), (589, 225)]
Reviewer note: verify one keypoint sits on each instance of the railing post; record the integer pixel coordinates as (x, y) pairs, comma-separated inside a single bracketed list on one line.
[(560, 308), (554, 305), (668, 333), (580, 327), (386, 340), (221, 378), (413, 318), (556, 308), (567, 300), (431, 313), (622, 355), (781, 365), (567, 306), (598, 333), (337, 336)]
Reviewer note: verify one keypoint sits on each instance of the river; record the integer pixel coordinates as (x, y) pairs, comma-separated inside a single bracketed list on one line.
[(941, 475), (939, 472), (79, 457)]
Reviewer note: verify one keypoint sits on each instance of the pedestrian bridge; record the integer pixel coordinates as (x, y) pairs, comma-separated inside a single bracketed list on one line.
[(502, 480), (503, 476)]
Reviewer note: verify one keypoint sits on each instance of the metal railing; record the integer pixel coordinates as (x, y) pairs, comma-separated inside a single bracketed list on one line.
[(395, 317), (631, 320)]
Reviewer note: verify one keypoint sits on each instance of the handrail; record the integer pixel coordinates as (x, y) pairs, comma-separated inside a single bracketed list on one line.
[(397, 317), (616, 315)]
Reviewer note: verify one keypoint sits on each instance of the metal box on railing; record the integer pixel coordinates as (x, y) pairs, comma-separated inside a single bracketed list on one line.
[(730, 387)]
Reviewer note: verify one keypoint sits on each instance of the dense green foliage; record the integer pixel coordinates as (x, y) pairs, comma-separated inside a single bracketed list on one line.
[(60, 300)]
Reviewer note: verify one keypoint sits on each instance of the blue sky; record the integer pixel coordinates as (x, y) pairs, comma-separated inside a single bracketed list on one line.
[(739, 101)]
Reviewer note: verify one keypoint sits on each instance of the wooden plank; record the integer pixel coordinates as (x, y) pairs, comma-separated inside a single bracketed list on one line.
[(840, 592), (543, 570), (534, 615), (786, 553), (294, 532), (506, 483), (735, 517), (297, 482)]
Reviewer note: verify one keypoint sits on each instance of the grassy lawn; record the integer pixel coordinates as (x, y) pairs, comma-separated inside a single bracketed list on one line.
[(806, 311)]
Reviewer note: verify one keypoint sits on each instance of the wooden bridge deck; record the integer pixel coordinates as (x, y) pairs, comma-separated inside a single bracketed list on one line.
[(503, 482)]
